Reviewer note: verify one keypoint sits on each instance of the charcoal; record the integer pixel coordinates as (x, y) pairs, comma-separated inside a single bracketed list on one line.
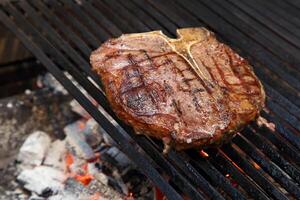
[(92, 133), (41, 179), (55, 154), (34, 149), (76, 140)]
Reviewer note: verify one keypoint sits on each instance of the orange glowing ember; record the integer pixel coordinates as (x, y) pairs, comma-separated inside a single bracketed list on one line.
[(186, 198), (81, 125), (129, 197), (84, 167), (69, 161), (203, 154), (84, 179), (158, 194)]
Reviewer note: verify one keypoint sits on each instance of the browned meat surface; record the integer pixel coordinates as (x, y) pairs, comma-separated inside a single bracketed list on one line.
[(192, 91)]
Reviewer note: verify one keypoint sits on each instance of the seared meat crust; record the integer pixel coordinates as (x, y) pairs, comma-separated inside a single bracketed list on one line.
[(193, 90)]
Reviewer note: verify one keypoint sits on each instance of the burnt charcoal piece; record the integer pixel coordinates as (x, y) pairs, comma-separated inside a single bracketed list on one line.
[(192, 91)]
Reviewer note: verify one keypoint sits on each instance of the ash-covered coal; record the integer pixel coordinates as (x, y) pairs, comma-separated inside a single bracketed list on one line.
[(82, 166)]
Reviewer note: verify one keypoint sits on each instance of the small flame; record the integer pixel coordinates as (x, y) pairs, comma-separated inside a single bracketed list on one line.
[(203, 154), (227, 175), (129, 196), (256, 166)]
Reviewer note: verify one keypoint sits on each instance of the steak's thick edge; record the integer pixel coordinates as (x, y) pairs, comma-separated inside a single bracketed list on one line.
[(192, 91)]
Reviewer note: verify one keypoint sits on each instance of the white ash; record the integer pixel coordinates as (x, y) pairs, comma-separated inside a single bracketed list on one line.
[(106, 192), (55, 154), (34, 149), (46, 178), (36, 197), (42, 178), (9, 105), (49, 81), (27, 92)]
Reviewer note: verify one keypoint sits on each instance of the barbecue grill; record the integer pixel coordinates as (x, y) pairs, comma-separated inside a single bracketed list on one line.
[(262, 162)]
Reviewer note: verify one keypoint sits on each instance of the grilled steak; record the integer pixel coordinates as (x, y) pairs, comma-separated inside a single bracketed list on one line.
[(192, 91)]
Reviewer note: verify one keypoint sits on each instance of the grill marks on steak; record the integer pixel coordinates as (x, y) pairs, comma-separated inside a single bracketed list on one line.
[(193, 89)]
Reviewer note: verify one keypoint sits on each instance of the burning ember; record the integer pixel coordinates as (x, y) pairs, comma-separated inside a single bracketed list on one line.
[(203, 154), (68, 172), (256, 166), (83, 176)]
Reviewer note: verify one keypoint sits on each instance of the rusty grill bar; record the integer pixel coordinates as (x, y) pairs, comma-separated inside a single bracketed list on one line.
[(259, 163)]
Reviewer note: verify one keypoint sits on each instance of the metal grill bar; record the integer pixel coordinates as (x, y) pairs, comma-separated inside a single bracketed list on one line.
[(268, 166), (280, 14), (271, 152), (255, 174), (222, 162), (282, 129), (67, 31), (217, 178), (125, 145), (283, 5), (79, 27), (53, 19), (270, 62), (192, 193), (209, 16), (277, 26), (279, 142), (257, 31)]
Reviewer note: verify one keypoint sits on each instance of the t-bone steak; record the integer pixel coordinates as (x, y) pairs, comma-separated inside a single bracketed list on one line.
[(192, 91)]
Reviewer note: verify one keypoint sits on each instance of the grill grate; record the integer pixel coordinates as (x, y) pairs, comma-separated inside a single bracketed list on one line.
[(259, 163)]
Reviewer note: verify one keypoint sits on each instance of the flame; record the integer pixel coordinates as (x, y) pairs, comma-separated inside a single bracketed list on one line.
[(203, 154)]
